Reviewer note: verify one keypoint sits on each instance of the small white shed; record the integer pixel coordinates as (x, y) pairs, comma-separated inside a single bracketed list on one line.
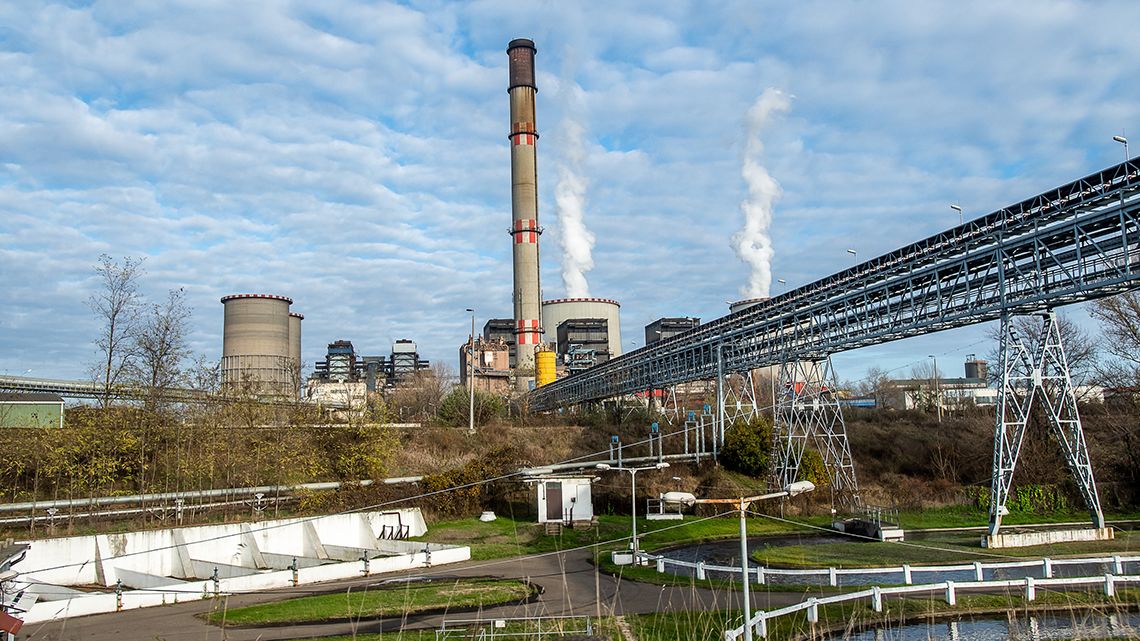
[(567, 499)]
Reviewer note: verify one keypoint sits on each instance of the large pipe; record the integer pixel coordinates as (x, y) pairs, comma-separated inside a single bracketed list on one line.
[(524, 209)]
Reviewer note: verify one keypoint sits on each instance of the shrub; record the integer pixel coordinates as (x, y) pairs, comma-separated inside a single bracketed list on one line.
[(748, 447)]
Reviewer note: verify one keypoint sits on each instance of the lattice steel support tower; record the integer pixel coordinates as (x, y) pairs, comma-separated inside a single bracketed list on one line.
[(807, 408), (1029, 372)]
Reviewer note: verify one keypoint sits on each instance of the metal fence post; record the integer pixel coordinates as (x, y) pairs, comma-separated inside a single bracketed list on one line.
[(1109, 586), (1047, 570), (951, 597), (701, 570), (832, 580), (1030, 589), (906, 574), (813, 611), (978, 574)]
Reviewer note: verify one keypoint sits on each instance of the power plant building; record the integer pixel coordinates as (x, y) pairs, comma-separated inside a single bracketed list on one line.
[(663, 328), (258, 353), (343, 365), (492, 366), (555, 312), (502, 329)]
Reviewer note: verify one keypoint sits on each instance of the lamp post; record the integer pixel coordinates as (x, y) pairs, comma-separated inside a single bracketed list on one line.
[(961, 216), (1124, 141), (633, 492), (854, 255), (784, 283), (742, 503), (471, 376), (937, 385)]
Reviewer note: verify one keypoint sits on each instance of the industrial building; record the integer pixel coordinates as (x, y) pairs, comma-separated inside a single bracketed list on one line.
[(555, 312), (663, 328), (30, 410), (502, 329), (492, 365), (342, 365), (261, 345)]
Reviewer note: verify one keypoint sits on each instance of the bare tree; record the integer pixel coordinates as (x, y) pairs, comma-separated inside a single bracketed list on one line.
[(1119, 318), (160, 345), (875, 384), (116, 304), (1080, 348)]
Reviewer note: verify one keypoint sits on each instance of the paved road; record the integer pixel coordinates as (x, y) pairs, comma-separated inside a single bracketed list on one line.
[(569, 584)]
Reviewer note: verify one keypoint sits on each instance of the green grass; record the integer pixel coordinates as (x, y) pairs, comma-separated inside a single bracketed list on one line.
[(506, 537), (935, 548), (405, 599)]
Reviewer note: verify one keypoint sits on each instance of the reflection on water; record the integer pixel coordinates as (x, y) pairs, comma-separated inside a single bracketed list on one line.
[(1074, 625)]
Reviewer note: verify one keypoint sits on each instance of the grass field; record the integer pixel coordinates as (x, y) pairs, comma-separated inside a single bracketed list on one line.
[(408, 598), (933, 548)]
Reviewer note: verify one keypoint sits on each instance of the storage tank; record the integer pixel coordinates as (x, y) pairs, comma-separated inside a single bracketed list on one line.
[(742, 305), (295, 347), (256, 343), (558, 310), (546, 362)]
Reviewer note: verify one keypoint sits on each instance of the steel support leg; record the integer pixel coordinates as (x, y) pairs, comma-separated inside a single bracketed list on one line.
[(808, 408), (1029, 371)]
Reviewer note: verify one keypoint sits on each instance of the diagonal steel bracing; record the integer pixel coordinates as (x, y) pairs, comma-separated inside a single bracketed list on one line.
[(807, 408), (1037, 373)]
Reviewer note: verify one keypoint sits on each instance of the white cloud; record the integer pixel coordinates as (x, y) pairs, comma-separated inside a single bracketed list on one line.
[(354, 155)]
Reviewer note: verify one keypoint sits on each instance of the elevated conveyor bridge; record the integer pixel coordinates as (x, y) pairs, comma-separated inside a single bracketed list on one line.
[(1074, 243)]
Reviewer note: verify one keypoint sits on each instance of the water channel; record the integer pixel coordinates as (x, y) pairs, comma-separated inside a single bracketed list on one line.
[(1038, 627)]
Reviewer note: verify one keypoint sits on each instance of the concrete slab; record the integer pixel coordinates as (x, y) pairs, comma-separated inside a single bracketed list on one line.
[(1026, 538)]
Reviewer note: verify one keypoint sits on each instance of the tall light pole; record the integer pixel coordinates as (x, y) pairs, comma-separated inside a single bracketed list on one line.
[(1124, 141), (961, 217), (854, 255), (743, 503), (937, 385), (471, 377), (784, 283), (633, 492)]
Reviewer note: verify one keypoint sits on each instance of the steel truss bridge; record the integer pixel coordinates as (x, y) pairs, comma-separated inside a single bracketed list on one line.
[(1074, 243)]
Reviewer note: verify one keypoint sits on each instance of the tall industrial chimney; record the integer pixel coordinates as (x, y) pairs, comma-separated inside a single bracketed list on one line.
[(524, 209)]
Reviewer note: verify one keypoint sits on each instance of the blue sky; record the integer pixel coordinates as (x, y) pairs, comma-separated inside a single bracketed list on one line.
[(353, 155)]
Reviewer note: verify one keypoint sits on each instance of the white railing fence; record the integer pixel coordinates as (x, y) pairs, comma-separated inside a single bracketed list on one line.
[(760, 619), (760, 575)]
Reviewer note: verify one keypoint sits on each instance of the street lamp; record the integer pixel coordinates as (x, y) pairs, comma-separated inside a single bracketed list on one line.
[(1124, 141), (792, 489), (633, 491), (784, 283), (961, 216), (854, 254), (937, 386), (471, 382)]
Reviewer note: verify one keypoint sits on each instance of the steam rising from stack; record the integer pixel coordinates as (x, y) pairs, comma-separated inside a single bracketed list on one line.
[(570, 199), (752, 243)]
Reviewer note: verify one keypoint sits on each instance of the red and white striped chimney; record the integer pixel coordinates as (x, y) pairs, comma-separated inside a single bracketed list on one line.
[(524, 209)]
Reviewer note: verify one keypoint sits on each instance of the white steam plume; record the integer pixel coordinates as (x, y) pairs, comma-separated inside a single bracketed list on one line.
[(752, 243), (570, 201)]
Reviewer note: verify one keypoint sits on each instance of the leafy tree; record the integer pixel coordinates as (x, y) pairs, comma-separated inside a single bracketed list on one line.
[(453, 409), (748, 446)]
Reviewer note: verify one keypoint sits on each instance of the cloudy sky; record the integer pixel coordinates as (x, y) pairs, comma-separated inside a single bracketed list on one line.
[(353, 155)]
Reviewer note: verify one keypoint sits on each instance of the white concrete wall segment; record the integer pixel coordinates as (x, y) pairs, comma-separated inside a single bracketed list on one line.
[(247, 557)]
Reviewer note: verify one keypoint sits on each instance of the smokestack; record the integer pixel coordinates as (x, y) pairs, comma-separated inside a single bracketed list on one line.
[(524, 209)]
